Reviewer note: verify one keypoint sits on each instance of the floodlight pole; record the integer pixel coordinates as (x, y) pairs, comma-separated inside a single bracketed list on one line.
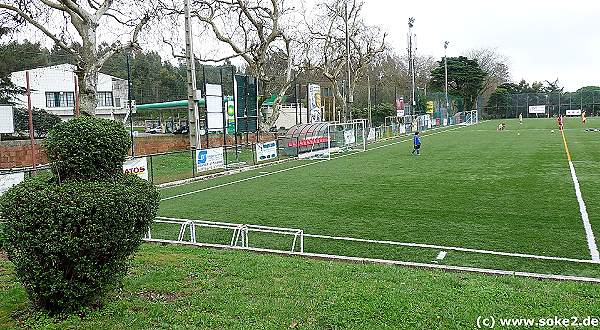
[(411, 60), (349, 97), (446, 75), (369, 98), (194, 124)]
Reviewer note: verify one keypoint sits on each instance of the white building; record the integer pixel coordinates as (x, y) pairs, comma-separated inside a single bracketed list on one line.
[(53, 89)]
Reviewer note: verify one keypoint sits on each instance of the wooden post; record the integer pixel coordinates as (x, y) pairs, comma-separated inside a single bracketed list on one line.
[(76, 112), (31, 137)]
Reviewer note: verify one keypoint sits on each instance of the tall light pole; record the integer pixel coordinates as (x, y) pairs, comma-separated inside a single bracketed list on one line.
[(446, 73), (193, 113), (411, 60), (349, 97)]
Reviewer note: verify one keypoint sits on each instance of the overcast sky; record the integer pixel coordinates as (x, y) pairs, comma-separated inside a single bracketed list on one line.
[(543, 40)]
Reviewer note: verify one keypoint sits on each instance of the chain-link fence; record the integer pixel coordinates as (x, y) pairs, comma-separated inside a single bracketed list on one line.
[(511, 105), (181, 165)]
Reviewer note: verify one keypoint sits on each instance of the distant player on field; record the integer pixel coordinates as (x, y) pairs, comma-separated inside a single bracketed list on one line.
[(559, 120), (583, 118), (520, 118), (417, 144)]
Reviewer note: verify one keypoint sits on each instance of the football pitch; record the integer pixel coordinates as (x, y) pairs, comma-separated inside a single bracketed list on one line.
[(475, 197)]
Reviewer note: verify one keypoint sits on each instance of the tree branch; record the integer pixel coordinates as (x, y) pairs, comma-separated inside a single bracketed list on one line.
[(118, 47), (33, 22), (103, 9)]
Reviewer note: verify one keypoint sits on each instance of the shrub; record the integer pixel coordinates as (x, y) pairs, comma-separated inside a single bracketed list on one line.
[(87, 148), (43, 121), (71, 240)]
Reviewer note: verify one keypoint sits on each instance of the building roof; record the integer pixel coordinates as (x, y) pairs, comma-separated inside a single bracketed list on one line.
[(63, 67)]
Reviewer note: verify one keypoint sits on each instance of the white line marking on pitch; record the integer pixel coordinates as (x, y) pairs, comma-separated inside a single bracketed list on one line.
[(296, 167), (589, 233), (387, 262), (441, 255), (421, 245), (453, 248)]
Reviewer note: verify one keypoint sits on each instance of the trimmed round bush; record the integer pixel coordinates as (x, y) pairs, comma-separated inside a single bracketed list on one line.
[(70, 234), (87, 148), (70, 243)]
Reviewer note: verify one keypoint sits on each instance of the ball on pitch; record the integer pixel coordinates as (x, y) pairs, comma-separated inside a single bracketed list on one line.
[(552, 131)]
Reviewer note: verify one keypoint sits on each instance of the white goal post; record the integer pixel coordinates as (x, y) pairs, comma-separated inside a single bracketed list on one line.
[(466, 118), (341, 138)]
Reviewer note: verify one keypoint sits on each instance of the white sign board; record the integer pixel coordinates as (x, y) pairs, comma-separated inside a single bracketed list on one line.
[(210, 159), (371, 136), (214, 107), (9, 180), (574, 112), (537, 109), (314, 103), (6, 119), (137, 166), (349, 137), (266, 151), (400, 107)]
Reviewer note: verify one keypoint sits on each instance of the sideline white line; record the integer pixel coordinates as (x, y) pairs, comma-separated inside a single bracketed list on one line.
[(388, 262), (417, 245), (454, 248), (300, 166), (589, 233)]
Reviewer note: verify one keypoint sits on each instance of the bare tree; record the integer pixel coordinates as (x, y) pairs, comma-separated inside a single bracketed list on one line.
[(57, 19), (494, 64), (254, 30), (328, 33)]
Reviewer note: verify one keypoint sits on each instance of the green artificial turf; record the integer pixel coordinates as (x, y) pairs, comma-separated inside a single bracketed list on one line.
[(472, 187), (188, 288)]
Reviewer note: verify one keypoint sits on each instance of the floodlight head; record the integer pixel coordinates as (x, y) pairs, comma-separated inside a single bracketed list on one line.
[(446, 44), (411, 22)]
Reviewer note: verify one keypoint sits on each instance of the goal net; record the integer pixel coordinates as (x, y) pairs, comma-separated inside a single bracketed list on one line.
[(343, 138), (466, 118), (471, 118)]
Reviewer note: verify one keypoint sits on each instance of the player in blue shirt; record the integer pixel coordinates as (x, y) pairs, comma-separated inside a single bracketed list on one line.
[(417, 144)]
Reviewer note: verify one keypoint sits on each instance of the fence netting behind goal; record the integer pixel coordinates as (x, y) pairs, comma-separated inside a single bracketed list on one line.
[(343, 138)]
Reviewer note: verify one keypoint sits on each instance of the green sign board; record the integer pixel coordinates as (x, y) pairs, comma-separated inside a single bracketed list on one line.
[(246, 99)]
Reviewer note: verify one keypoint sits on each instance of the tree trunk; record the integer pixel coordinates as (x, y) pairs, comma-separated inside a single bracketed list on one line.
[(342, 101), (87, 72), (88, 99)]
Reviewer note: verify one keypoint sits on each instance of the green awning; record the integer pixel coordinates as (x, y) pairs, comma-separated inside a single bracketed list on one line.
[(270, 101)]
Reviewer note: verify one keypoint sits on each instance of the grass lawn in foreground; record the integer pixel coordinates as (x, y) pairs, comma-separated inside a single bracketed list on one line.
[(472, 187), (181, 288)]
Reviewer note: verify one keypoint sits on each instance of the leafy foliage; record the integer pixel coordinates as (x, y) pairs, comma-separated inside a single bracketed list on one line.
[(465, 79), (73, 238), (72, 241), (378, 113), (43, 121), (87, 148)]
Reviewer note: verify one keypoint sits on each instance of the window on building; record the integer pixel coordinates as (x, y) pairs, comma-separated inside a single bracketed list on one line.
[(60, 99), (105, 99)]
